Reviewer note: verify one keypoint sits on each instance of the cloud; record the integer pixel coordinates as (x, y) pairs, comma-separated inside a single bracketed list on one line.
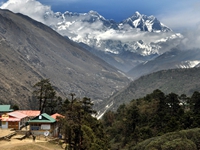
[(97, 30), (182, 17), (32, 8), (191, 38), (133, 35)]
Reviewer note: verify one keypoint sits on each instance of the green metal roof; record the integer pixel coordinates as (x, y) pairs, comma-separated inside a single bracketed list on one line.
[(5, 108), (43, 118)]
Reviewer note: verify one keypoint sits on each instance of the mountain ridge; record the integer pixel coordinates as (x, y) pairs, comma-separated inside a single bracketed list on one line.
[(175, 58), (31, 51), (179, 81)]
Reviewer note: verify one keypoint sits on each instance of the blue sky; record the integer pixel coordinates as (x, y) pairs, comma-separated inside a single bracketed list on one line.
[(121, 9), (173, 13), (112, 9)]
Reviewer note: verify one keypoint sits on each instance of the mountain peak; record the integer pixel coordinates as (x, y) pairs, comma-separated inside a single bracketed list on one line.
[(146, 23), (68, 13), (92, 12), (137, 13)]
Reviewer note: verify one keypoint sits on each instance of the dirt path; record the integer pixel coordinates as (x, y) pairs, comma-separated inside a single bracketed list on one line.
[(5, 132), (28, 144), (13, 143), (25, 144)]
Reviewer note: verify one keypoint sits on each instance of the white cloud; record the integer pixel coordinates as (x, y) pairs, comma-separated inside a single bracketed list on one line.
[(182, 17), (192, 38), (185, 18), (31, 8), (96, 30)]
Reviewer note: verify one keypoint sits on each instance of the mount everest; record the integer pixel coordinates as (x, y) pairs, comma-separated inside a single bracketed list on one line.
[(124, 45)]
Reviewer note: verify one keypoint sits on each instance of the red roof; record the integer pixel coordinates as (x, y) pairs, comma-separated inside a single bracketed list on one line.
[(56, 115), (14, 116), (30, 113), (17, 114)]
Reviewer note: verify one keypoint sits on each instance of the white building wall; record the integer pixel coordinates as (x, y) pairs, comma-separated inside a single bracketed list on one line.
[(4, 125)]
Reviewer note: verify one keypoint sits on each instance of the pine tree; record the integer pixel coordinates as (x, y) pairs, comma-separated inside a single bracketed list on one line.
[(82, 131), (44, 92)]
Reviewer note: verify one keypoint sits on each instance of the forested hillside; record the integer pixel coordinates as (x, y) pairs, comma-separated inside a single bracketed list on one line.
[(180, 140), (151, 116), (179, 81)]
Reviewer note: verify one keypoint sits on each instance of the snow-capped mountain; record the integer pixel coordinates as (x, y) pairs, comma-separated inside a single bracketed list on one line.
[(145, 23), (175, 58), (140, 35), (189, 64)]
